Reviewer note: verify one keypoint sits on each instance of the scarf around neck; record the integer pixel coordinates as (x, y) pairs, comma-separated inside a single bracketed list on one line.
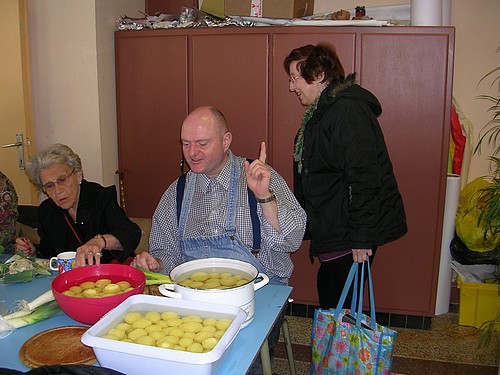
[(333, 90), (299, 142)]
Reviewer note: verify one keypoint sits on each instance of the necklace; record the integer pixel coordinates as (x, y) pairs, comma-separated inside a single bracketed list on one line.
[(297, 152)]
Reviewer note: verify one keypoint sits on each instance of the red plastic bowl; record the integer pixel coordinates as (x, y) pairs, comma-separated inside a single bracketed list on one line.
[(90, 310)]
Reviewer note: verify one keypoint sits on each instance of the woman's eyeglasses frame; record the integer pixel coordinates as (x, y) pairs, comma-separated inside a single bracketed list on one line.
[(49, 187), (293, 80)]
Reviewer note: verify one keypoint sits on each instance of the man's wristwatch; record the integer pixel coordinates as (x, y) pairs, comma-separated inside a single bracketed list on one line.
[(268, 199)]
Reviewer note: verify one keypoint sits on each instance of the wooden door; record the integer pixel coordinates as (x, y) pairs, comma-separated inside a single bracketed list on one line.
[(15, 97), (152, 84)]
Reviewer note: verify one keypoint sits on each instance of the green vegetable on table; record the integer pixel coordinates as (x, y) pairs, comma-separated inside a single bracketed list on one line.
[(20, 268), (27, 313), (155, 278)]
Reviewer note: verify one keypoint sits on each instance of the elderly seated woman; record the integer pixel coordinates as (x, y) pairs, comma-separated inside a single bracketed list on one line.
[(79, 215)]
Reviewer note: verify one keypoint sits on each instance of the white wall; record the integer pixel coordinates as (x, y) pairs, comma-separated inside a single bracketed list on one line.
[(72, 72)]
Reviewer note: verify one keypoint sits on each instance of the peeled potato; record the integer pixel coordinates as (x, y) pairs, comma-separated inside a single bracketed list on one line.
[(208, 329), (153, 328), (154, 316), (87, 285), (132, 317), (195, 347), (185, 341), (174, 322), (111, 288), (76, 289), (124, 326), (177, 332), (191, 327), (228, 281), (199, 276), (191, 318), (223, 324), (141, 323), (136, 333), (101, 283), (145, 340), (119, 333), (219, 334), (89, 293), (186, 333), (209, 322), (123, 284), (156, 335), (201, 336), (169, 315), (209, 343), (99, 288)]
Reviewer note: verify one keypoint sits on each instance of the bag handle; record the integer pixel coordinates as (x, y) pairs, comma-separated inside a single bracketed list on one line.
[(353, 272), (357, 297), (359, 313)]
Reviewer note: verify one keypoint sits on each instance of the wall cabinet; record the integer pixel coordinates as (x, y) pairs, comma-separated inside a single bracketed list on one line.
[(164, 74)]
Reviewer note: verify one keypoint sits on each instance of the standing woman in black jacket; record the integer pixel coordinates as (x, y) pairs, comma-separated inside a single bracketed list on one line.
[(78, 215), (343, 175)]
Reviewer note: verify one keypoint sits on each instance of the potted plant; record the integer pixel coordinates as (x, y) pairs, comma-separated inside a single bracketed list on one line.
[(490, 196)]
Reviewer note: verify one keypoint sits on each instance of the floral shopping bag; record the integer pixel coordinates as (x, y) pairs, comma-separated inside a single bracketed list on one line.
[(346, 341)]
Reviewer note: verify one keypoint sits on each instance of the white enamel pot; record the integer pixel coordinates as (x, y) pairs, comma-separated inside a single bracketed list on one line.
[(242, 296)]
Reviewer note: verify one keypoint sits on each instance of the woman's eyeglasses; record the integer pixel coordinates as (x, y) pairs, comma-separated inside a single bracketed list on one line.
[(49, 187), (292, 80)]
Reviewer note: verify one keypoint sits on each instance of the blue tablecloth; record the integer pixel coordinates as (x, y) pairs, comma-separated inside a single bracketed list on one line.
[(269, 302)]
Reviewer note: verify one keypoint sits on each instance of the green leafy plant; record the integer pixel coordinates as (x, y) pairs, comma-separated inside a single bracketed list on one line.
[(490, 196)]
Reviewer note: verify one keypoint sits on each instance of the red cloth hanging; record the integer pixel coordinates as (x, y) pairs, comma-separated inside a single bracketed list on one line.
[(459, 140)]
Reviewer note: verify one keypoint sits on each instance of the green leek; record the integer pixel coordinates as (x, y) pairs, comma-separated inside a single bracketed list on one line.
[(45, 311), (26, 308), (154, 278)]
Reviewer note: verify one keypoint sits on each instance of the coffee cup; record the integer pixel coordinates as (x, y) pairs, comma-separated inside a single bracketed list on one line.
[(63, 261)]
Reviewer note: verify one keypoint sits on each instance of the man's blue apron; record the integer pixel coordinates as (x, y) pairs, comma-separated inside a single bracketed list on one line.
[(226, 245)]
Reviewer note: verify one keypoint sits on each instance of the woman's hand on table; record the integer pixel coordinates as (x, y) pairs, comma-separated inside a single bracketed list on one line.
[(147, 262), (88, 254)]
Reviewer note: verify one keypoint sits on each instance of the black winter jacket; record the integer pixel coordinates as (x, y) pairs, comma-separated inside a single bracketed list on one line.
[(347, 185)]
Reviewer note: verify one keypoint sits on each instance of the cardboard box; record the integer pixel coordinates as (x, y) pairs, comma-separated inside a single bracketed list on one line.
[(135, 359), (479, 303), (269, 8)]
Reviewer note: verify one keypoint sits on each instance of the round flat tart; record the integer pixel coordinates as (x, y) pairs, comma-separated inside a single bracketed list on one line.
[(57, 346)]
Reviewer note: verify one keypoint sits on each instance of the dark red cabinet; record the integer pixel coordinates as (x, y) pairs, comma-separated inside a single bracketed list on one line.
[(164, 74)]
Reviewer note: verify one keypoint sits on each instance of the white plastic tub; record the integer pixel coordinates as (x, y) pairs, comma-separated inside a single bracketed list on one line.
[(138, 359)]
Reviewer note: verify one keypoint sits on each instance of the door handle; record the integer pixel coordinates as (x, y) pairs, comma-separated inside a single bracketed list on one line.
[(20, 149), (12, 145)]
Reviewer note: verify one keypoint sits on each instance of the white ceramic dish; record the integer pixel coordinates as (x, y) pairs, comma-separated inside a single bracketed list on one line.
[(135, 359)]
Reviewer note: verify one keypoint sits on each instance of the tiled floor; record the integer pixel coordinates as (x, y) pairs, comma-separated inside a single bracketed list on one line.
[(444, 349)]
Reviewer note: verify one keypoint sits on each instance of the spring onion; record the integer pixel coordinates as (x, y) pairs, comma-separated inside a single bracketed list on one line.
[(154, 278)]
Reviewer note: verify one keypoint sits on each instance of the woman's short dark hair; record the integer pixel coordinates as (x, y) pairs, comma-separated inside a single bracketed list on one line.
[(54, 154), (316, 60)]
